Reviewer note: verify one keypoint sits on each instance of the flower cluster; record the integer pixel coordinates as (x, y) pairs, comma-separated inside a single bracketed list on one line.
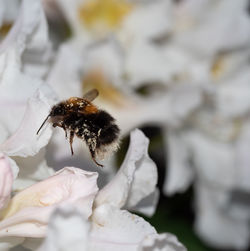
[(45, 209)]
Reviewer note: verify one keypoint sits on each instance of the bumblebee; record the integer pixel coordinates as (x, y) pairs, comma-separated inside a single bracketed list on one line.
[(79, 117)]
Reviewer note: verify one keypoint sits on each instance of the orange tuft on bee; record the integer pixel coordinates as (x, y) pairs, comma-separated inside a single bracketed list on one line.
[(81, 118)]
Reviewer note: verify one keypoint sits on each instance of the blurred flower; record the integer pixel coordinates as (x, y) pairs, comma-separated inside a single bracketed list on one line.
[(208, 149), (127, 20)]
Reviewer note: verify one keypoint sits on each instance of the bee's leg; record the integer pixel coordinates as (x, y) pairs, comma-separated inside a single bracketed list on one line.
[(56, 124), (62, 126), (93, 156), (71, 141), (65, 130)]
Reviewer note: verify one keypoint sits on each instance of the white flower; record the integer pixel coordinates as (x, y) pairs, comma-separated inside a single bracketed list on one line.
[(111, 228)]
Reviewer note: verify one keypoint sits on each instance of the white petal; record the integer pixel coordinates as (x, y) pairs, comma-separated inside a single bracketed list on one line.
[(145, 176), (161, 242), (147, 205), (115, 229), (180, 102), (179, 172), (68, 229), (146, 63), (25, 142), (130, 176), (214, 160)]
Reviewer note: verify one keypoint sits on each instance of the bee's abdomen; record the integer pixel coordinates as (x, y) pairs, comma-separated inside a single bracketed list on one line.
[(108, 130)]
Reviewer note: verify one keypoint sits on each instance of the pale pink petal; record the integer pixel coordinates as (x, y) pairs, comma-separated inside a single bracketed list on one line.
[(114, 229), (6, 180), (25, 141), (28, 213), (161, 242), (135, 179)]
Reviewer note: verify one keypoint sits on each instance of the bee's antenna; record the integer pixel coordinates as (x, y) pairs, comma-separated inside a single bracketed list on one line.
[(42, 124)]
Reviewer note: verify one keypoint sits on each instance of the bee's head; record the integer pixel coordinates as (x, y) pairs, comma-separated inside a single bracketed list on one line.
[(58, 110)]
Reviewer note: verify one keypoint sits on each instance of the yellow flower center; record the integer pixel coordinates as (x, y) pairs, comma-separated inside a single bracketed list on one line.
[(218, 68), (4, 29), (103, 14), (96, 79)]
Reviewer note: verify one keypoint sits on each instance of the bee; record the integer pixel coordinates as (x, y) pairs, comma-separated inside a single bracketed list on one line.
[(80, 117)]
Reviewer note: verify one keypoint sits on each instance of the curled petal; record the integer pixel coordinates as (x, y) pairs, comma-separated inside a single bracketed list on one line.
[(114, 229), (25, 141), (28, 212), (164, 242), (135, 179)]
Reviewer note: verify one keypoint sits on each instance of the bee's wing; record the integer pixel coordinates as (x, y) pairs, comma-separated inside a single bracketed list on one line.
[(91, 95)]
